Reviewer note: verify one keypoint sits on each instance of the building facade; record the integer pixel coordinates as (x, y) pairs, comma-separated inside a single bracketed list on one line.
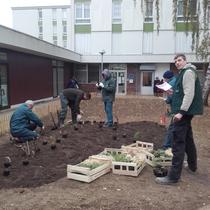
[(136, 47)]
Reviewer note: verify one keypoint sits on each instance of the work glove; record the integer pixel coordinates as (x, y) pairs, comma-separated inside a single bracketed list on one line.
[(101, 85), (79, 117)]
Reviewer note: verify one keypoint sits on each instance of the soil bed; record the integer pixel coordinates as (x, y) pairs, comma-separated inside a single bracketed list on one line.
[(49, 164)]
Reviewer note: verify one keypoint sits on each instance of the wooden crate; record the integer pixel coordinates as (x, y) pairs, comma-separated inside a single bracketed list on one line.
[(85, 174), (153, 161), (129, 169), (138, 147)]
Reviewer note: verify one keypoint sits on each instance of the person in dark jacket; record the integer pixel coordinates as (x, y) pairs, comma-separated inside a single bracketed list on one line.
[(170, 78), (71, 97), (23, 122), (186, 102), (108, 89), (72, 83)]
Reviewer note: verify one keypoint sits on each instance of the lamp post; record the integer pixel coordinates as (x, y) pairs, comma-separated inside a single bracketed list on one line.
[(102, 54)]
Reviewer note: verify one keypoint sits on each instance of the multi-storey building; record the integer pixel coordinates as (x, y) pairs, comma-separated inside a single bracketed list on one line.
[(120, 35)]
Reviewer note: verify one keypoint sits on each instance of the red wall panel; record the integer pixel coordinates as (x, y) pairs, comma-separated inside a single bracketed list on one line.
[(30, 77)]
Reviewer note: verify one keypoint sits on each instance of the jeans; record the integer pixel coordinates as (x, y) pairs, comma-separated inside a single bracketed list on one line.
[(168, 137), (27, 134), (182, 142), (64, 108), (108, 110)]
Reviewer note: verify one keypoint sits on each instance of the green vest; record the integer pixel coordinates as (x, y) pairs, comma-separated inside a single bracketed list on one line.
[(196, 108)]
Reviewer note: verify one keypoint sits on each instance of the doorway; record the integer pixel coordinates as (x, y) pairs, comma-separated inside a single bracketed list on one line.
[(147, 78), (119, 77)]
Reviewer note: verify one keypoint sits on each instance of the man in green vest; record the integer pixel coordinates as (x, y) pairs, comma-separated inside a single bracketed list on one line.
[(186, 102)]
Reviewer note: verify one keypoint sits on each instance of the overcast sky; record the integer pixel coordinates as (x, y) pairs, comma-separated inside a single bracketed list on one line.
[(6, 12)]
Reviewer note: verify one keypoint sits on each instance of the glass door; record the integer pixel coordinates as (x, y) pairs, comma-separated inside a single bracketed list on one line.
[(119, 77)]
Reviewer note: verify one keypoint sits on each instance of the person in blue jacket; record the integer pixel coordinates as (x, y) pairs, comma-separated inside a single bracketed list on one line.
[(23, 122), (171, 79), (108, 89)]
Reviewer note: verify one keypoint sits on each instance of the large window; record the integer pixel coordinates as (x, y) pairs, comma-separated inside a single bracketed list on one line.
[(93, 73), (181, 9), (82, 10), (116, 11), (58, 77), (81, 73), (148, 11), (3, 87)]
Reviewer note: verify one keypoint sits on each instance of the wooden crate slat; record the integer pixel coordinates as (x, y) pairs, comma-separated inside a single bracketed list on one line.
[(128, 169)]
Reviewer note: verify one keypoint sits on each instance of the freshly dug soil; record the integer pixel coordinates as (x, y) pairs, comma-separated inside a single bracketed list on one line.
[(50, 163)]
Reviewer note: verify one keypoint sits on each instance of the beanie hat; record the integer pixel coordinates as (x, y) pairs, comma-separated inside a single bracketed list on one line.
[(29, 102), (168, 74)]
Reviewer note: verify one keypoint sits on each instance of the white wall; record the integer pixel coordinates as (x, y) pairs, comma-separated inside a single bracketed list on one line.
[(100, 41), (82, 43), (183, 42), (26, 21), (163, 43), (101, 15), (160, 69), (131, 15)]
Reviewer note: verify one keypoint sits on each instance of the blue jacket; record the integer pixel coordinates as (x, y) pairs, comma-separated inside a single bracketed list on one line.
[(21, 119)]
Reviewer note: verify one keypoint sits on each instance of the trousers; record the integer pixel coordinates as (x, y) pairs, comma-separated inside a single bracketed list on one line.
[(183, 142)]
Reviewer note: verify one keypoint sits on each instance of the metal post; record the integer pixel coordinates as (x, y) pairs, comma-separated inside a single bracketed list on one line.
[(102, 62)]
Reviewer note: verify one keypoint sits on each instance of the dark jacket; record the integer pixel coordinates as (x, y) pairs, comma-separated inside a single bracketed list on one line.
[(72, 84), (74, 96), (108, 92), (21, 119)]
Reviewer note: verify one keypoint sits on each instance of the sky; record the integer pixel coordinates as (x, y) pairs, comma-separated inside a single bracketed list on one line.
[(6, 11)]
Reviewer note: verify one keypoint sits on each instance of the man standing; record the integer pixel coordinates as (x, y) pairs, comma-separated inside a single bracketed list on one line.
[(24, 122), (186, 102), (108, 89), (71, 97)]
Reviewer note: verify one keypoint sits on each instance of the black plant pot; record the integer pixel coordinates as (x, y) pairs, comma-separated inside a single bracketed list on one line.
[(160, 171), (6, 172)]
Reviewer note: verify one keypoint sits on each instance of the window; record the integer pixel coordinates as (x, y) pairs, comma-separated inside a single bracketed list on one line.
[(64, 13), (40, 14), (54, 28), (93, 73), (64, 24), (116, 11), (148, 11), (3, 87), (40, 36), (147, 78), (54, 14), (55, 40), (40, 29), (80, 73), (82, 11), (65, 41), (180, 9)]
